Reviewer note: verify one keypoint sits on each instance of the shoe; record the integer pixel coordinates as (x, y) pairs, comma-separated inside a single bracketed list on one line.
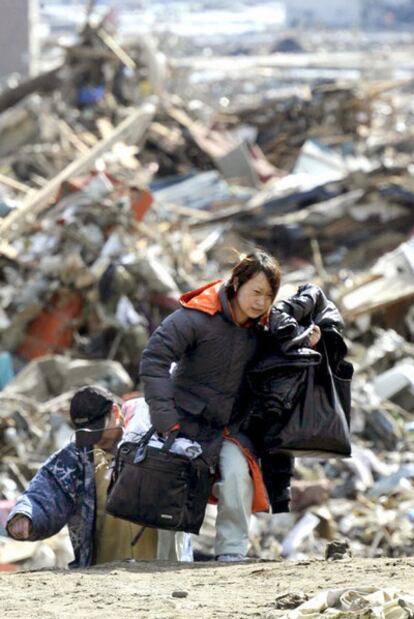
[(231, 557)]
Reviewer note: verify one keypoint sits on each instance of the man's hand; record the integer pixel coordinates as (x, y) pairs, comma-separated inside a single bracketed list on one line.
[(20, 527), (315, 336)]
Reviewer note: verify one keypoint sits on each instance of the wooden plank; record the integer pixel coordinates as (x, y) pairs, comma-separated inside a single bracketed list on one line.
[(116, 49), (68, 132), (17, 185), (105, 127), (186, 211), (136, 124), (376, 306)]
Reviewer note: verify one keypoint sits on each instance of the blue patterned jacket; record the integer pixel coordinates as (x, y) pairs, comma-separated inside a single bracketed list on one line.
[(63, 492)]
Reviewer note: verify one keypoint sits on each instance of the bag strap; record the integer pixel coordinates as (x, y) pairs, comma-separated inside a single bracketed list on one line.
[(138, 536), (325, 358), (146, 438), (169, 441)]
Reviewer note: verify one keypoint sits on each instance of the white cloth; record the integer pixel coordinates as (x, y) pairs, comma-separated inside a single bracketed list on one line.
[(365, 602), (138, 422)]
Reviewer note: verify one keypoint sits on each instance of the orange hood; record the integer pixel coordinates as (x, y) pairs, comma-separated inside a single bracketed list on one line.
[(205, 299)]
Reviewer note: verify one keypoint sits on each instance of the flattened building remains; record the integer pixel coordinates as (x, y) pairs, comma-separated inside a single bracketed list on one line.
[(113, 202)]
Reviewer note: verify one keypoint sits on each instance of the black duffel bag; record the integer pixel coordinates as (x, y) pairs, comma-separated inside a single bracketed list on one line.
[(157, 488)]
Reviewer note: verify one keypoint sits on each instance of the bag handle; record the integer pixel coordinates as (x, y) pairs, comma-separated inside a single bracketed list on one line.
[(146, 438), (168, 442)]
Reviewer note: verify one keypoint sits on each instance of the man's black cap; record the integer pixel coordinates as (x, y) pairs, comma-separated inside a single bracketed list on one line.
[(88, 410)]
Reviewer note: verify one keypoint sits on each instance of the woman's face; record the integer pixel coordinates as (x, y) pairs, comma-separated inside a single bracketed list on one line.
[(254, 298)]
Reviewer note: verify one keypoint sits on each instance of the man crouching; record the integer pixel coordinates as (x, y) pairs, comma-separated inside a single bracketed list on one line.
[(70, 488)]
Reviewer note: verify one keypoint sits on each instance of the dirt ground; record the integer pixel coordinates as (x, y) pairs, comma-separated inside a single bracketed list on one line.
[(208, 590)]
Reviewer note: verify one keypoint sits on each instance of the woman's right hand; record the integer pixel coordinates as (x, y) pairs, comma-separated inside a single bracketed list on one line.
[(314, 336)]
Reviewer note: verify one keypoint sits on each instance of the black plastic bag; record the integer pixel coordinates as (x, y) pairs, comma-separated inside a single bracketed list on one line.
[(318, 425)]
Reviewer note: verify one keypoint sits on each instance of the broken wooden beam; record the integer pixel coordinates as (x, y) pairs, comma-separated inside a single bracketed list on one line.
[(14, 184), (45, 82), (116, 49), (132, 128)]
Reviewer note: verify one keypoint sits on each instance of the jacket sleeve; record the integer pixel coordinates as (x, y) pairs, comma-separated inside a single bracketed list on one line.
[(286, 329), (292, 319), (50, 498), (310, 304), (176, 334)]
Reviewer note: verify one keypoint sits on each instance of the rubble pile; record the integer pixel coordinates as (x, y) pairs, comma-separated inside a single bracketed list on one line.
[(85, 277), (34, 407), (284, 123), (110, 210)]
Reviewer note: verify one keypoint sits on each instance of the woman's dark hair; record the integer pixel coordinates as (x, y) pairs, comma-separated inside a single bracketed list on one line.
[(250, 265)]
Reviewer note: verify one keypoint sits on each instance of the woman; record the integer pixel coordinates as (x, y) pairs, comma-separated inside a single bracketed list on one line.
[(211, 340)]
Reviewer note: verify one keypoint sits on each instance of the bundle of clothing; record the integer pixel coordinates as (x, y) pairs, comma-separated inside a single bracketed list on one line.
[(277, 380)]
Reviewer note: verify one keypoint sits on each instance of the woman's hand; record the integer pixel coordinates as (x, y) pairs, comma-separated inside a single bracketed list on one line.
[(314, 336)]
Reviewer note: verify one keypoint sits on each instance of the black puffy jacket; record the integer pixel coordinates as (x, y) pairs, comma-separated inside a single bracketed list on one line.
[(211, 353)]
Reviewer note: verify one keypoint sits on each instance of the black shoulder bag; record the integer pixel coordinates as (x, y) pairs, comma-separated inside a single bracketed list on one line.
[(157, 488)]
